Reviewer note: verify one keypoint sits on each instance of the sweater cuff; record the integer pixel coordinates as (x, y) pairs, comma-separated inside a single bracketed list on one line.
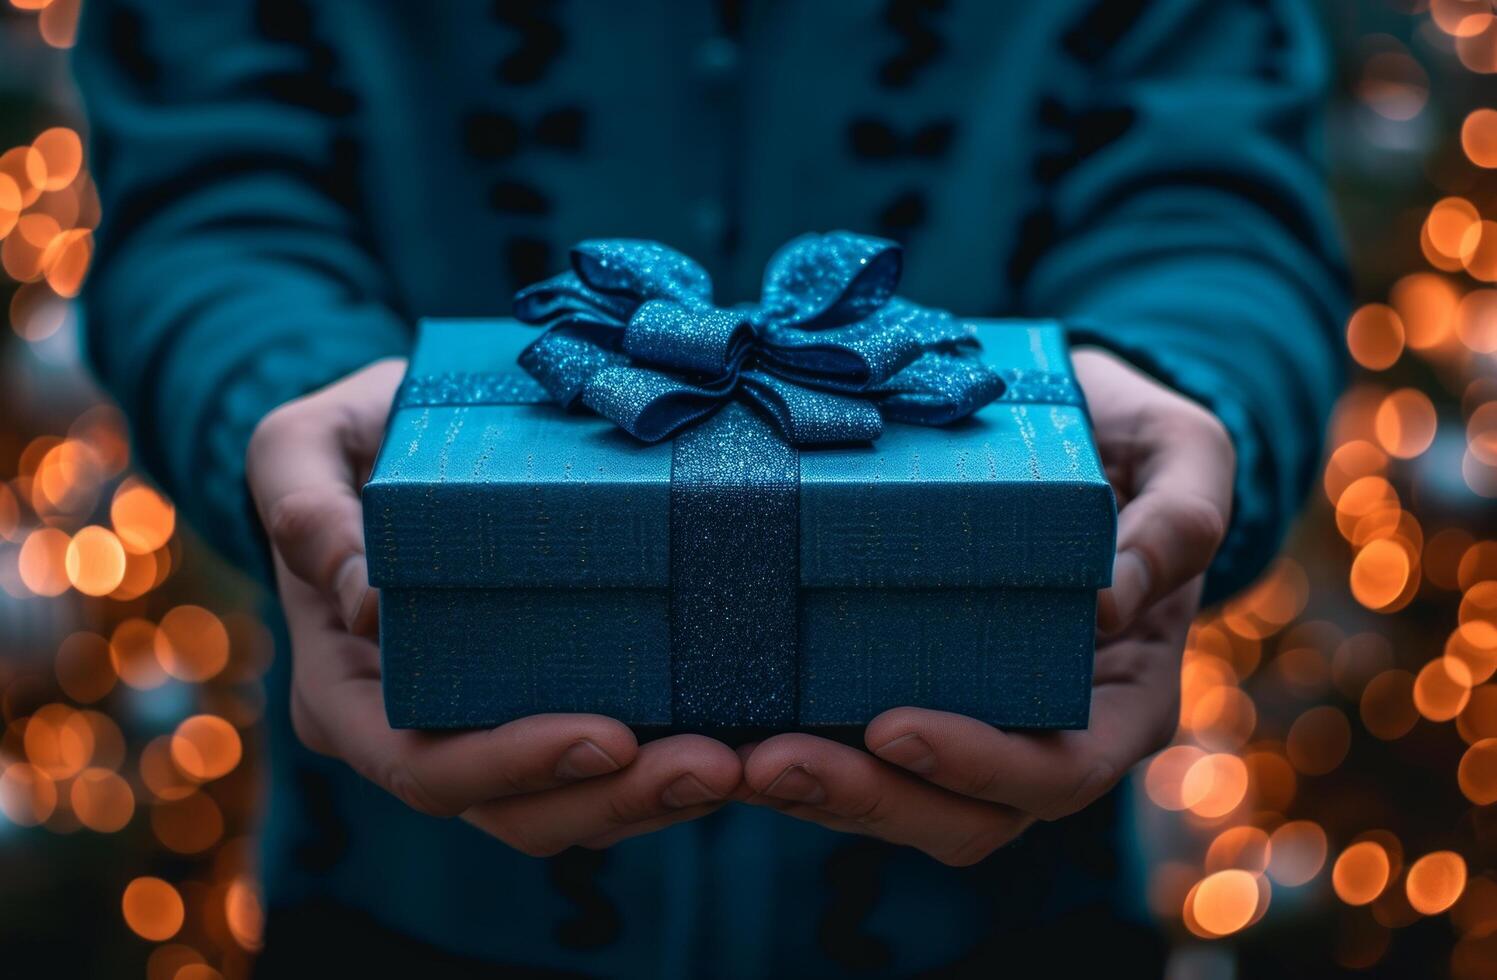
[(229, 409)]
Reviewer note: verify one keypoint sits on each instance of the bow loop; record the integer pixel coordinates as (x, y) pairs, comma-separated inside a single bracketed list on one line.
[(641, 270), (831, 279), (828, 353), (709, 341)]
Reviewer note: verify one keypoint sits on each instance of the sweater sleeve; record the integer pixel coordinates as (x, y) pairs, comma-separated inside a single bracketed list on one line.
[(1186, 225), (232, 271)]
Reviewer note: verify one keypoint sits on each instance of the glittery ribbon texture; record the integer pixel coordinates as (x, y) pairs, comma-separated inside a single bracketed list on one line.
[(828, 352), (819, 365)]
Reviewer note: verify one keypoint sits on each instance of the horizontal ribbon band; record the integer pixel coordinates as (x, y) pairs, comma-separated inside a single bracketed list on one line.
[(1023, 386)]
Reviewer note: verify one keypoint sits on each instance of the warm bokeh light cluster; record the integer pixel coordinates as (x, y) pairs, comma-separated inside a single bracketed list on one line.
[(137, 724), (1391, 662)]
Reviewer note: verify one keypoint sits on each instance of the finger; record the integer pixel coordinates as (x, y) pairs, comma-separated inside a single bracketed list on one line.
[(1050, 775), (670, 780), (1169, 532), (304, 466), (848, 790), (338, 708)]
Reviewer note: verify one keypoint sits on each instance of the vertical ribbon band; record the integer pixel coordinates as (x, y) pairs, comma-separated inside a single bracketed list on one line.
[(735, 573)]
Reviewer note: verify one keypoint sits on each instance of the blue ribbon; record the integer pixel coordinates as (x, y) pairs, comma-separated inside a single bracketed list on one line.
[(829, 352)]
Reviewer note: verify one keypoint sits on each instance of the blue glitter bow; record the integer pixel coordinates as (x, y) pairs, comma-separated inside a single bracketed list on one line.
[(828, 352)]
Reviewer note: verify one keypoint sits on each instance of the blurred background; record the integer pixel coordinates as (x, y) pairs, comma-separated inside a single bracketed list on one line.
[(1327, 808)]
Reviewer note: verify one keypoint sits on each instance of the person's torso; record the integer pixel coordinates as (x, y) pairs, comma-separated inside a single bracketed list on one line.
[(488, 137)]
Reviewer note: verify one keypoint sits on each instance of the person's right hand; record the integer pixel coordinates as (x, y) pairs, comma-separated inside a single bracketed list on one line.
[(540, 784)]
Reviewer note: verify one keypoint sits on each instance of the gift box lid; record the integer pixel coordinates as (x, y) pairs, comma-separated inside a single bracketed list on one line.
[(531, 496)]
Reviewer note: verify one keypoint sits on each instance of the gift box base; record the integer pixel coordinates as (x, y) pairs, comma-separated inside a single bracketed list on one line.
[(473, 658)]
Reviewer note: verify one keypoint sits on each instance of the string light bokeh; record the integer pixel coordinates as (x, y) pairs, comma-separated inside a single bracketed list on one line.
[(131, 660), (1328, 802)]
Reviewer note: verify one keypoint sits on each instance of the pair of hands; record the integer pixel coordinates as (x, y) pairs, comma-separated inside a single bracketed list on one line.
[(951, 786)]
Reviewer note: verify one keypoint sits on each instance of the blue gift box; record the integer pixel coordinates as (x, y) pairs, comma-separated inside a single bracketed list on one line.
[(533, 560)]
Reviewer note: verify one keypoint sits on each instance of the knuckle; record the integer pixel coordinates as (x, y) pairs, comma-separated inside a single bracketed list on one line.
[(1192, 519), (1198, 520), (980, 784), (291, 517), (872, 813), (619, 813)]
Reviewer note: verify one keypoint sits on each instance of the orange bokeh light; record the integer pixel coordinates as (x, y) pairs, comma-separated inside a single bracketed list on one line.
[(1405, 423), (1375, 336), (1461, 18), (132, 650), (61, 153), (1349, 463), (1426, 303), (1442, 688), (1474, 644), (20, 165), (1379, 572), (1224, 902), (1297, 852), (1448, 232), (1477, 773), (1479, 138), (1361, 873), (244, 913), (143, 519), (28, 796), (95, 561), (191, 643), (1435, 881), (1164, 778), (160, 774), (153, 909), (59, 741), (1475, 321), (206, 747), (102, 800), (65, 261), (1216, 784), (1245, 848), (1479, 250), (42, 562)]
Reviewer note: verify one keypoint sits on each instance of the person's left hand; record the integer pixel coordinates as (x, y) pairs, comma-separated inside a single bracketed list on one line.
[(957, 788)]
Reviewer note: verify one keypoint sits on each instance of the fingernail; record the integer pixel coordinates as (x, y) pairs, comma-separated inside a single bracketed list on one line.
[(796, 783), (909, 752), (585, 759), (687, 791), (352, 585)]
